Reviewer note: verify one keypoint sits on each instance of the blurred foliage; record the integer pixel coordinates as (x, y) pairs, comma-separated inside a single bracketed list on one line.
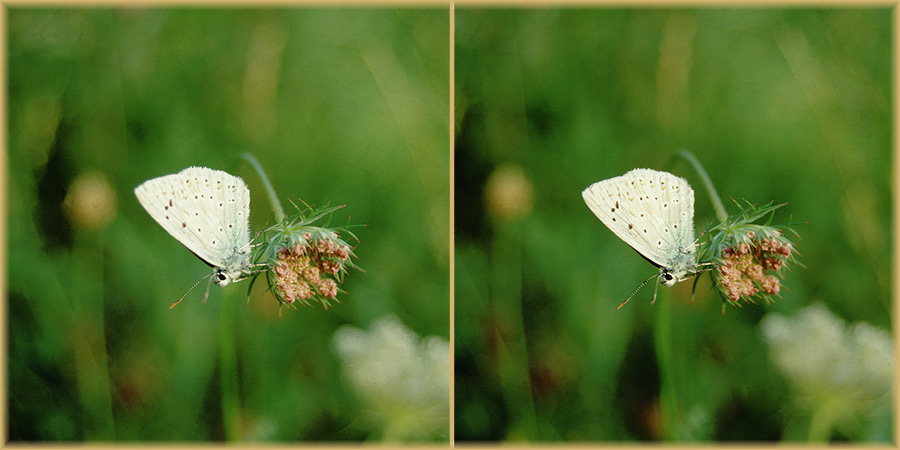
[(790, 105), (340, 106)]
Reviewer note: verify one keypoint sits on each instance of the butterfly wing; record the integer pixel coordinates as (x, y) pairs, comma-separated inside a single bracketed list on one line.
[(652, 211), (206, 210)]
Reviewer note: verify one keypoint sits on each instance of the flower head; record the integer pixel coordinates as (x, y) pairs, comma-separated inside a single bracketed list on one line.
[(305, 262), (509, 193), (91, 201), (748, 258)]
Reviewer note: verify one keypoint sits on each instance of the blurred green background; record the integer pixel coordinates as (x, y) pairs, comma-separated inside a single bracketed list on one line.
[(786, 105), (340, 106)]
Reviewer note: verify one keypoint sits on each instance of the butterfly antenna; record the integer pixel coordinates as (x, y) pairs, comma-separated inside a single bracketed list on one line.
[(635, 291), (191, 289)]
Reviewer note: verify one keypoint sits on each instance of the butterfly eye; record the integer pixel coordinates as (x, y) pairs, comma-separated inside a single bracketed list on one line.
[(221, 279)]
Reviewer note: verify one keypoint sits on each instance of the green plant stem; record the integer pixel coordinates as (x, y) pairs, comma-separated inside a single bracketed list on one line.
[(821, 423), (231, 408), (273, 199), (512, 357), (668, 398), (91, 359), (713, 195)]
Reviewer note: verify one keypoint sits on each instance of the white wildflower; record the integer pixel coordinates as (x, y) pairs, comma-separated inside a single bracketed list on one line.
[(841, 372), (404, 382)]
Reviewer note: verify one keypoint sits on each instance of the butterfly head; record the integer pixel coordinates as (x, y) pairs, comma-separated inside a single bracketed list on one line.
[(669, 278)]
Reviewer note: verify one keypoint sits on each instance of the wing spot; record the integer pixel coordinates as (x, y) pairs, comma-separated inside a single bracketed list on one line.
[(630, 226), (167, 217), (170, 202), (183, 225)]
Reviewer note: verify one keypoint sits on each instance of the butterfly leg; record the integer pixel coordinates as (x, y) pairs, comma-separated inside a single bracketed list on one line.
[(206, 295), (655, 290)]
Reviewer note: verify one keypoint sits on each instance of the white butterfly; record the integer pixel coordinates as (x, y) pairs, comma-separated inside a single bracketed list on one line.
[(208, 211), (653, 212)]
